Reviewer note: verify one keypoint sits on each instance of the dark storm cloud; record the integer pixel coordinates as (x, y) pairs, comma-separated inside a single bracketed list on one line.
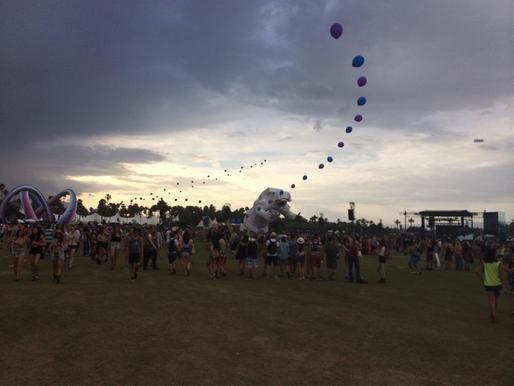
[(81, 68)]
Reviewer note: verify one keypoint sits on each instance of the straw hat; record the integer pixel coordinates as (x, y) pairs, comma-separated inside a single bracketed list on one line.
[(300, 240)]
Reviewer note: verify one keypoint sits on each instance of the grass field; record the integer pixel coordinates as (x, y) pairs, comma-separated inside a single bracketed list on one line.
[(98, 327)]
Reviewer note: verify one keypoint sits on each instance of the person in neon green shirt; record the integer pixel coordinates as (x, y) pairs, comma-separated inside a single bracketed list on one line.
[(490, 273)]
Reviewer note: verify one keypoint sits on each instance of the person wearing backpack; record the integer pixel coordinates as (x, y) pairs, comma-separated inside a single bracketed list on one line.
[(272, 246)]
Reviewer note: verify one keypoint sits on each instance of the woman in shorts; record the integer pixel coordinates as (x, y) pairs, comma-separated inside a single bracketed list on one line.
[(383, 254), (115, 246), (252, 256), (73, 240), (490, 273), (102, 240), (134, 251), (241, 253), (57, 249), (187, 252), (18, 245), (37, 243)]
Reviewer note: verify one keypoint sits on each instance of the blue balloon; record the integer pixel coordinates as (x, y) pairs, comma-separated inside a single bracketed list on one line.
[(349, 129), (361, 101), (358, 61), (304, 178), (330, 159)]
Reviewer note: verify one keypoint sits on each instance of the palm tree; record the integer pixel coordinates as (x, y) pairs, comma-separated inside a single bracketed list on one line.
[(397, 222), (411, 221)]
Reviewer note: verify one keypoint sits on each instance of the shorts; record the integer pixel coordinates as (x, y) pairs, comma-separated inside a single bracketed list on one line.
[(283, 262), (36, 250), (74, 247), (172, 256), (299, 259), (381, 259), (252, 263), (185, 255), (19, 252), (116, 245), (57, 256), (497, 289), (101, 245), (315, 261), (134, 258), (272, 260)]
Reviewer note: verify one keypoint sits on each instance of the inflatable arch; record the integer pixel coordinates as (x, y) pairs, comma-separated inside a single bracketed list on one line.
[(30, 195)]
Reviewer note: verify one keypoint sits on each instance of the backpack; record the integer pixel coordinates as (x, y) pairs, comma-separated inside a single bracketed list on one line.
[(272, 247)]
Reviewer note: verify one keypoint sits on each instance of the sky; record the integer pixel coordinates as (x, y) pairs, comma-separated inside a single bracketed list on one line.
[(131, 97)]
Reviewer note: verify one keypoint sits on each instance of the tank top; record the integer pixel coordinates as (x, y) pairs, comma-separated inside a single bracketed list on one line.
[(492, 274), (135, 245)]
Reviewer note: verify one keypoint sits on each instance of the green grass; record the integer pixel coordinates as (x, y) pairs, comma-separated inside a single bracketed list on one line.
[(98, 327)]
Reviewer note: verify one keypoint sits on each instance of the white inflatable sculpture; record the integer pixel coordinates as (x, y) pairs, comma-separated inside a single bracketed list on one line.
[(267, 208)]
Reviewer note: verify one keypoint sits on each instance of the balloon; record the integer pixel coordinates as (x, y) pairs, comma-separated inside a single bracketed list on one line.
[(358, 118), (336, 30), (164, 189), (349, 129), (329, 159), (264, 160), (361, 82), (192, 182), (203, 182), (151, 194), (175, 199), (321, 166), (304, 178), (208, 176), (340, 144), (225, 170), (361, 101), (199, 201), (178, 183), (242, 167), (293, 186), (186, 199), (358, 61)]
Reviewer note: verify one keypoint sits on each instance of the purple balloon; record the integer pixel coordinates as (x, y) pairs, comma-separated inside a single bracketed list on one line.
[(336, 30), (362, 81), (358, 118), (321, 166), (340, 144)]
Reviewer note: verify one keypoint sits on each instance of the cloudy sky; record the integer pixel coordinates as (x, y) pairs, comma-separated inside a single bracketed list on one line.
[(131, 97)]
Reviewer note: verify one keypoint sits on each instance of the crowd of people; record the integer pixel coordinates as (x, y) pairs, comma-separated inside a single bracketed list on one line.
[(288, 255)]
